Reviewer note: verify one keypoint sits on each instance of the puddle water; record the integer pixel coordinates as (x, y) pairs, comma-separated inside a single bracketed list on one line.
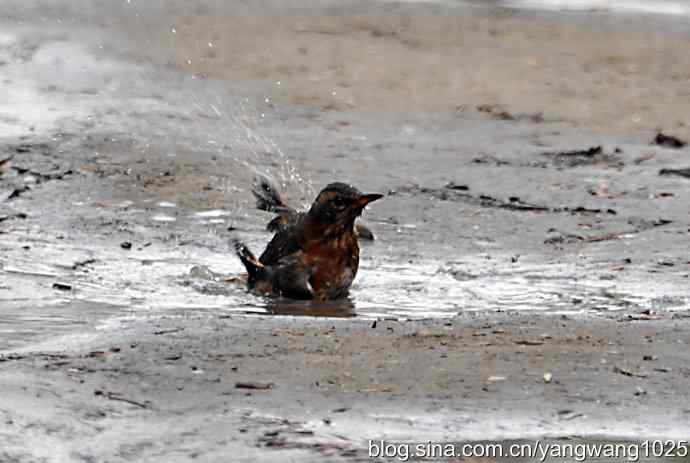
[(157, 281), (163, 218), (432, 290)]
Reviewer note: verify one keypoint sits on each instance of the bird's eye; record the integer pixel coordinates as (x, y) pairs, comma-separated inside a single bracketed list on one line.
[(339, 202)]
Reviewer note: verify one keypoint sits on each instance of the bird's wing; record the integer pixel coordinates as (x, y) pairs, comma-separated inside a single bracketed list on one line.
[(284, 220), (267, 194), (363, 232), (286, 241), (292, 277)]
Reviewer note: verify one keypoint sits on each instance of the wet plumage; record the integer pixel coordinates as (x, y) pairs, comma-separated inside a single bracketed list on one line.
[(269, 199), (316, 254)]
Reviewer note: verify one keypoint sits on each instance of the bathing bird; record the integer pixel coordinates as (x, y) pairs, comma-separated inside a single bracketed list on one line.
[(315, 254)]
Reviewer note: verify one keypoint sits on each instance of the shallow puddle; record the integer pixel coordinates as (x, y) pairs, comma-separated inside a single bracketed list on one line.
[(76, 288)]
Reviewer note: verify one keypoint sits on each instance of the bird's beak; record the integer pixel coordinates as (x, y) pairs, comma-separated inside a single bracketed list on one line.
[(366, 199)]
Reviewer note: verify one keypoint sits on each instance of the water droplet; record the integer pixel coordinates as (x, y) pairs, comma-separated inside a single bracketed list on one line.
[(212, 213), (163, 218)]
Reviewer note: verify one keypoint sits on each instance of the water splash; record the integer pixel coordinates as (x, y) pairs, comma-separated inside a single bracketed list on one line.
[(242, 135)]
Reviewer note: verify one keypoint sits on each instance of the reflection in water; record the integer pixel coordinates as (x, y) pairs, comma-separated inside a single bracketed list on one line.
[(343, 308), (205, 281)]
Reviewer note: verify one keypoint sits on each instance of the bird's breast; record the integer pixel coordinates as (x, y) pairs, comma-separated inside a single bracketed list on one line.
[(335, 262)]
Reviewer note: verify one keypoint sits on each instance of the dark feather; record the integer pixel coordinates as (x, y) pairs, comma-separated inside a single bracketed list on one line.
[(284, 220), (292, 277), (363, 232), (285, 242), (267, 195), (255, 269)]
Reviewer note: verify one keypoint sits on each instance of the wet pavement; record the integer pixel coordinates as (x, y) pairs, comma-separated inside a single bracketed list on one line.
[(132, 156)]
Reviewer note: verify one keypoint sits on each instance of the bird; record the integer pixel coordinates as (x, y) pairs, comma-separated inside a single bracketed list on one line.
[(316, 254), (269, 199)]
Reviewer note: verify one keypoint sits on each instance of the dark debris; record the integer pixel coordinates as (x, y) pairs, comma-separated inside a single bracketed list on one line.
[(513, 203), (594, 155), (682, 172), (668, 141)]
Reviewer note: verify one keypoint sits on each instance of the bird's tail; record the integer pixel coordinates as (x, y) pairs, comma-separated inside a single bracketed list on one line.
[(267, 194), (255, 269)]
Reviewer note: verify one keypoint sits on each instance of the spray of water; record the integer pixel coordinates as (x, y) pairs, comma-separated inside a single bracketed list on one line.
[(242, 134)]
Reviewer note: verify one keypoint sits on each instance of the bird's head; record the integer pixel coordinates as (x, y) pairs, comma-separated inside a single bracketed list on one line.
[(340, 204)]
